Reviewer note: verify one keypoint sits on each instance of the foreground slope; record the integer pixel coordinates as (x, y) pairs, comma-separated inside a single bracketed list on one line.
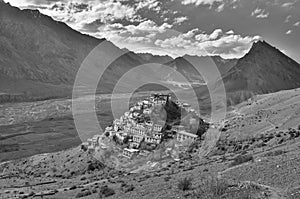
[(248, 161), (263, 114)]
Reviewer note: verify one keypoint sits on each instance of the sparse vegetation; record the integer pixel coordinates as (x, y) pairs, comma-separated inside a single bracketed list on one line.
[(185, 184), (127, 188), (106, 191), (215, 188), (167, 178)]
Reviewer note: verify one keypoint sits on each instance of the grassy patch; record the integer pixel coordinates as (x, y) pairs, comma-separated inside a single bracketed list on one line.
[(214, 188)]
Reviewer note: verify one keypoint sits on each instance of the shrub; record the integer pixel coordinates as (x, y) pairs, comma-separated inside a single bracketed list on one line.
[(73, 187), (128, 188), (95, 165), (106, 191), (185, 184), (167, 178), (212, 188), (83, 194), (242, 159), (54, 169), (223, 129)]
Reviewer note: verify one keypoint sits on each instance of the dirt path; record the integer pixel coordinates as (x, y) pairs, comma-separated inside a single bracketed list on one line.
[(275, 193), (211, 137)]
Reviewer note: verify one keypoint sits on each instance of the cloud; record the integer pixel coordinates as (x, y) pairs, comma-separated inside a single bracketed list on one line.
[(217, 5), (148, 26), (289, 32), (230, 32), (260, 13), (191, 33), (288, 4), (287, 19), (200, 2), (149, 4), (220, 7), (79, 13), (114, 10), (215, 34), (145, 31), (226, 45), (180, 20)]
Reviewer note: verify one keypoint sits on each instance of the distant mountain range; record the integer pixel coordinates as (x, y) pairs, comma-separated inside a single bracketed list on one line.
[(189, 66), (40, 57)]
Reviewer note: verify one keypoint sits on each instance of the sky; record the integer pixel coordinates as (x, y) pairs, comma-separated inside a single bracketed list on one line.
[(177, 27)]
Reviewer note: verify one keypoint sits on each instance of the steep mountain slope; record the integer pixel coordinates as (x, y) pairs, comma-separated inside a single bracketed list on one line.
[(40, 57), (35, 47), (263, 69)]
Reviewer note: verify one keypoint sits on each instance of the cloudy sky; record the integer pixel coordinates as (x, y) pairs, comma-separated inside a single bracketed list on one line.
[(177, 27)]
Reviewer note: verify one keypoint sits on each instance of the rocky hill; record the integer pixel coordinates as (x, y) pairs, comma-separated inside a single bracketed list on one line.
[(264, 69)]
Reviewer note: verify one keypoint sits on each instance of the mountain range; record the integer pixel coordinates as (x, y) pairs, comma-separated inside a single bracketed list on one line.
[(40, 57)]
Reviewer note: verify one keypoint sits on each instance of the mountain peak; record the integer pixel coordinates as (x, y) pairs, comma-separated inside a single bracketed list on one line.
[(262, 50), (263, 69), (260, 44)]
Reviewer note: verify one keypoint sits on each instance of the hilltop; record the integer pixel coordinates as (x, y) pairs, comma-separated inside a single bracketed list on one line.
[(155, 129)]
